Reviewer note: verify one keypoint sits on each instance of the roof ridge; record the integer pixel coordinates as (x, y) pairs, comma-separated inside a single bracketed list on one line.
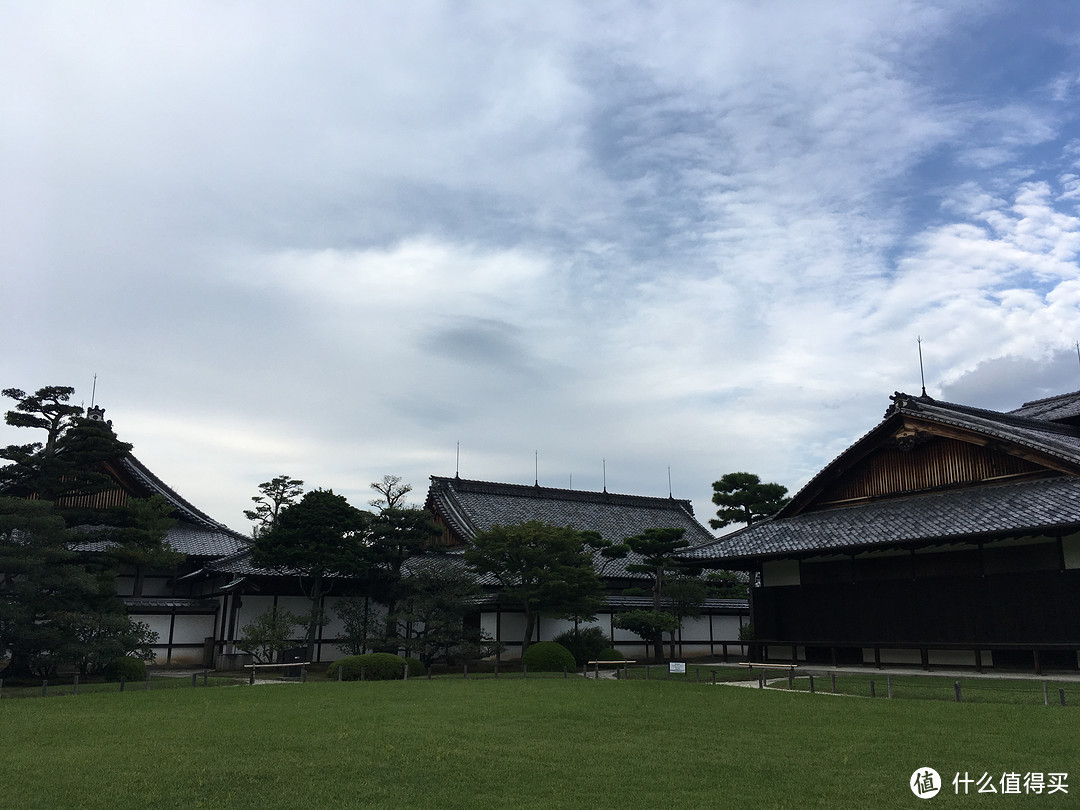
[(532, 490), (1044, 400)]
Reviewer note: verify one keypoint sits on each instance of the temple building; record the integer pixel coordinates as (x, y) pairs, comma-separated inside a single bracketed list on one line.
[(947, 535)]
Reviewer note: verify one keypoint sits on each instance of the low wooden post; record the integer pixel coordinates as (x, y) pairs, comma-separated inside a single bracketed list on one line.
[(646, 672), (1, 687), (303, 674), (596, 670), (496, 669), (206, 677), (465, 671), (890, 687), (791, 678), (1061, 694), (811, 684), (1046, 695), (123, 680), (75, 684), (872, 692), (404, 668), (697, 674), (956, 689), (429, 671), (363, 673), (194, 678), (564, 673), (147, 681), (834, 683), (714, 677), (760, 682), (251, 677), (524, 670), (44, 688), (338, 673)]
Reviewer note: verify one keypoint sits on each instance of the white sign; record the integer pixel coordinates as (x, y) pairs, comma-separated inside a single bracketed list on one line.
[(677, 668)]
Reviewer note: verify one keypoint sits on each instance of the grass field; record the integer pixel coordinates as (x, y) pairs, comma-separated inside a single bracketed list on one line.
[(486, 743)]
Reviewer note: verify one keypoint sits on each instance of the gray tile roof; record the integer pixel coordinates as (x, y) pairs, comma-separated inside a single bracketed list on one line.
[(475, 506), (200, 541), (1058, 408), (1020, 507)]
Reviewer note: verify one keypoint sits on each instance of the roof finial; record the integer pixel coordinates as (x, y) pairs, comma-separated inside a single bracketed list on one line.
[(922, 374), (457, 462), (669, 494), (605, 474), (536, 467), (93, 391)]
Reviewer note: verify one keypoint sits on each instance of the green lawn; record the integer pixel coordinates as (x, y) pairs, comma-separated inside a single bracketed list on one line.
[(486, 743)]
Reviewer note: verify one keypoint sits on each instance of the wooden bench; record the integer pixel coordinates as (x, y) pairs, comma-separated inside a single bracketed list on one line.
[(618, 663), (253, 667), (789, 667)]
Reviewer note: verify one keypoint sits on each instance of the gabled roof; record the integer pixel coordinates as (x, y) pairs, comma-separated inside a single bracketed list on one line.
[(1042, 506), (1060, 408), (1039, 491), (475, 506), (1053, 447), (470, 507), (195, 534)]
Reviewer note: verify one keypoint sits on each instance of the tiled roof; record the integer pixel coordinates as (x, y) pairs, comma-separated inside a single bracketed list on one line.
[(1057, 442), (1063, 406), (155, 486), (1020, 507), (200, 541), (470, 507)]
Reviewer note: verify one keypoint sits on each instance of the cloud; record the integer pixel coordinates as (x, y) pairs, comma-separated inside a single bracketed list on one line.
[(338, 241)]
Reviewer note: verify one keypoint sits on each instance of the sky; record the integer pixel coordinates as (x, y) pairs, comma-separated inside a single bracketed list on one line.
[(585, 244)]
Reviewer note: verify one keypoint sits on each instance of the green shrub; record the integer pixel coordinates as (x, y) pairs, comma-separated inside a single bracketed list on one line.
[(584, 644), (374, 667), (610, 654), (129, 668), (548, 656)]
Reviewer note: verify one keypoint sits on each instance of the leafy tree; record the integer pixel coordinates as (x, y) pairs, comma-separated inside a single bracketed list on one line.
[(319, 537), (274, 495), (356, 620), (397, 535), (659, 552), (584, 643), (743, 498), (442, 592), (93, 641), (270, 634), (50, 599), (547, 570), (650, 625), (68, 465)]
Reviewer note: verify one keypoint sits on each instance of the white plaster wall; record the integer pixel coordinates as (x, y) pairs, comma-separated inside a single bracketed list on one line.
[(777, 573), (1071, 547)]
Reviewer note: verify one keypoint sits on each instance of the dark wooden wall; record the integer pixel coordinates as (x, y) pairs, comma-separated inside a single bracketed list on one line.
[(1034, 607)]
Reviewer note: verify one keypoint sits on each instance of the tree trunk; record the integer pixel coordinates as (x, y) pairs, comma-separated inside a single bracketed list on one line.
[(530, 627), (315, 617)]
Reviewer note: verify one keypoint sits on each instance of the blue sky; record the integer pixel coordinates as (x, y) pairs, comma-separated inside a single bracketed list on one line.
[(337, 240)]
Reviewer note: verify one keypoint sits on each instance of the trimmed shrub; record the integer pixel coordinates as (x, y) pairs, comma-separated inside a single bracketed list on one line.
[(584, 644), (375, 667), (548, 656), (610, 654), (129, 668)]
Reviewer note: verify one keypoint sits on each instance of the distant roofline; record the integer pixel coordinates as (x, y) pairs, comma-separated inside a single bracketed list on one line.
[(557, 493), (1045, 400)]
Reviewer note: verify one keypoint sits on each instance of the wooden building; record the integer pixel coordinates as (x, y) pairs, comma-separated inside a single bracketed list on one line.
[(945, 535), (464, 508)]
